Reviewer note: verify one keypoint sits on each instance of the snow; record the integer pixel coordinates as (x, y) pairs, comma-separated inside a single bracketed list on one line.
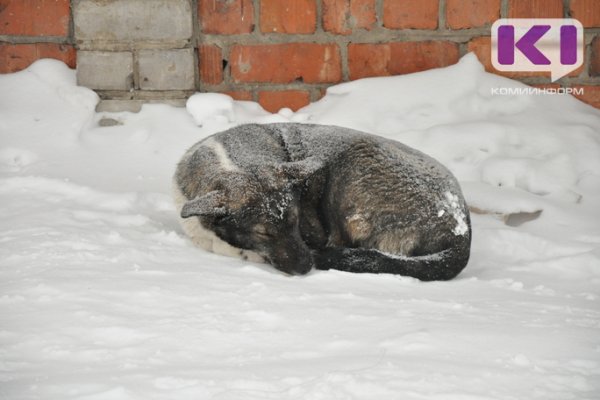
[(452, 205), (103, 297)]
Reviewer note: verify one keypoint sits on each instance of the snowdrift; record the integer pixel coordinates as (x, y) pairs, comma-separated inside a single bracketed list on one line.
[(103, 297)]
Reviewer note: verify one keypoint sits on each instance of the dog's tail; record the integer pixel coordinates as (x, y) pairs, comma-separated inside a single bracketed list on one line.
[(441, 266)]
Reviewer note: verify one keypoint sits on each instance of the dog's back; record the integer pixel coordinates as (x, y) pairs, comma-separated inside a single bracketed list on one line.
[(388, 207)]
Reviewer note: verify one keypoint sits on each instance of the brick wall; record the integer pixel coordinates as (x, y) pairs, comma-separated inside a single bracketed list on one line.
[(136, 50), (277, 52), (30, 30)]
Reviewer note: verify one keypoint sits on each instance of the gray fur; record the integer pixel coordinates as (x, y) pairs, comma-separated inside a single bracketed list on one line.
[(304, 196)]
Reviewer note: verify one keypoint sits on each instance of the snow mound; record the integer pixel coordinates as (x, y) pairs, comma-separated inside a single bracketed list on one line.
[(213, 110), (543, 144), (215, 106)]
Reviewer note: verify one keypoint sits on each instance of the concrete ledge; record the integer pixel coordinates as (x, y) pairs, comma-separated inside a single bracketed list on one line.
[(144, 94), (134, 105)]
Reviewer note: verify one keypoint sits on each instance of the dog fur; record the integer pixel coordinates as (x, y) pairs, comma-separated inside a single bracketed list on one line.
[(306, 196)]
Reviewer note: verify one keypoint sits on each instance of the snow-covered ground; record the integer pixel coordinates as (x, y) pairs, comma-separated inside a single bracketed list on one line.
[(103, 298)]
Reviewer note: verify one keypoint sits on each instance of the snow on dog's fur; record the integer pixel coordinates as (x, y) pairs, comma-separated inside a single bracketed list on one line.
[(301, 196)]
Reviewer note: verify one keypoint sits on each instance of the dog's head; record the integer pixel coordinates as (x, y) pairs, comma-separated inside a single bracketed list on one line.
[(258, 210)]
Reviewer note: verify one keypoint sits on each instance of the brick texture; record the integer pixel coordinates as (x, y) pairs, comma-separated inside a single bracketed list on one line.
[(396, 58), (15, 57), (226, 16), (595, 61), (482, 47), (343, 16), (410, 14), (590, 96), (171, 69), (132, 20), (535, 8), (587, 12), (286, 63), (462, 14), (211, 64), (34, 17), (365, 60), (290, 16), (239, 94), (274, 101), (105, 70)]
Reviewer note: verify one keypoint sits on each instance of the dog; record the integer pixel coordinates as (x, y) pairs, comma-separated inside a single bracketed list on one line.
[(302, 196)]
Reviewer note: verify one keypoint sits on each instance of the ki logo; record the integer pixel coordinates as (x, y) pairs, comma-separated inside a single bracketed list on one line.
[(547, 44)]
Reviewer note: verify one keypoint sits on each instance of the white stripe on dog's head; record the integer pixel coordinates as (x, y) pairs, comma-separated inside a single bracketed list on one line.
[(224, 161)]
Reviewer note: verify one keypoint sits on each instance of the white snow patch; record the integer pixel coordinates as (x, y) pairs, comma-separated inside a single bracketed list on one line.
[(453, 206), (14, 160), (211, 106)]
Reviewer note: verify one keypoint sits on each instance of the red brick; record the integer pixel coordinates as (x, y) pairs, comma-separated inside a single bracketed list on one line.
[(285, 63), (482, 47), (275, 100), (17, 57), (595, 61), (399, 57), (62, 52), (587, 12), (409, 57), (290, 16), (535, 8), (410, 14), (342, 16), (211, 64), (590, 96), (366, 60), (239, 95), (226, 17), (34, 17), (461, 14)]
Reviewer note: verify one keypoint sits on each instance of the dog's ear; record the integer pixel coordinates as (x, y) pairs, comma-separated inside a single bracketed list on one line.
[(300, 171), (211, 204)]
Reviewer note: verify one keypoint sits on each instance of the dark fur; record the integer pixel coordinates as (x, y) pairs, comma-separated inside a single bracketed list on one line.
[(305, 196)]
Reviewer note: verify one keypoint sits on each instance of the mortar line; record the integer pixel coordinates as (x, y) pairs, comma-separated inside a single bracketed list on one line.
[(256, 27), (504, 9), (71, 32), (343, 46), (379, 13), (442, 16), (136, 70), (195, 42), (319, 22)]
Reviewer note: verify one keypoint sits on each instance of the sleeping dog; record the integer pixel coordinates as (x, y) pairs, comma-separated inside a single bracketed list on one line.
[(305, 196)]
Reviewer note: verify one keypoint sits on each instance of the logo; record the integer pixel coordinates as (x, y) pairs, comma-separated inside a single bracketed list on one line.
[(548, 44)]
